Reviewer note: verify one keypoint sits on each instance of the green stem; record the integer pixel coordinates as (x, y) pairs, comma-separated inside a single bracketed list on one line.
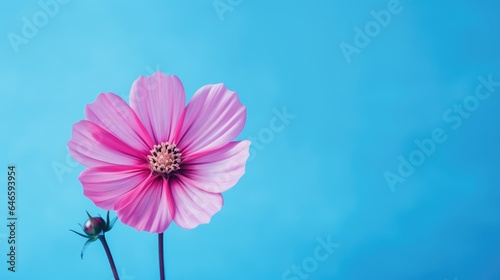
[(110, 257)]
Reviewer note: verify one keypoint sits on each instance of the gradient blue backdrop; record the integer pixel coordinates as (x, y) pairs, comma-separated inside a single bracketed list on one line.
[(322, 175)]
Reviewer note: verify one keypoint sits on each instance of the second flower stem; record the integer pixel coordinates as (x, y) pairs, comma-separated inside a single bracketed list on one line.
[(110, 257), (160, 256)]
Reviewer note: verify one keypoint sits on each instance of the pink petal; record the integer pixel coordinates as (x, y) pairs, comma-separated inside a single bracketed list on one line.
[(112, 113), (219, 170), (193, 206), (106, 185), (93, 146), (214, 117), (149, 207), (159, 102)]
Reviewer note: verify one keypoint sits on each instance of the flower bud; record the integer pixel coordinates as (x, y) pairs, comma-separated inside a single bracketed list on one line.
[(94, 226)]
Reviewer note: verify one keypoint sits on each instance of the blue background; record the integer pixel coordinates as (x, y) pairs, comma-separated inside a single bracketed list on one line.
[(321, 176)]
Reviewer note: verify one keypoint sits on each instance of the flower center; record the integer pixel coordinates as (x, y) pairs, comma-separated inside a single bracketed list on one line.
[(165, 158)]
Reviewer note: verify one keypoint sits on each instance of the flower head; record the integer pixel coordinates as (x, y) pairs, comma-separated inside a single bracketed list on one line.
[(94, 228), (157, 160)]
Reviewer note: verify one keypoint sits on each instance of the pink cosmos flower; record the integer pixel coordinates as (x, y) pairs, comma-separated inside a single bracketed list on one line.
[(157, 160)]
